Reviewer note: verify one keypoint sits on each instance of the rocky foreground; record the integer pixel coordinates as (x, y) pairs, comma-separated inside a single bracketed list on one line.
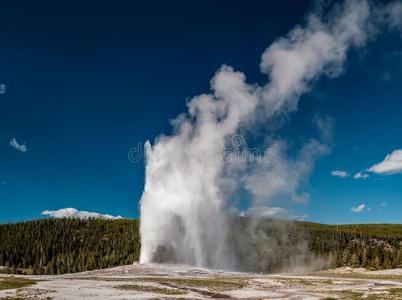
[(154, 281)]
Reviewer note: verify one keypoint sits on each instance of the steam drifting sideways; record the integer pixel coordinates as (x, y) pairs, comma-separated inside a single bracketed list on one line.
[(186, 205)]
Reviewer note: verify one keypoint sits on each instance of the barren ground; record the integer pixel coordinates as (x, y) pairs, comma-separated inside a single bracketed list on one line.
[(155, 281)]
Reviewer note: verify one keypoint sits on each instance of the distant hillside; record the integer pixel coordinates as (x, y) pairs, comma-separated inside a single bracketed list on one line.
[(56, 246)]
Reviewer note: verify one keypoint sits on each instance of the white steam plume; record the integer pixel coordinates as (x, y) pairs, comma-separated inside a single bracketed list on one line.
[(185, 204)]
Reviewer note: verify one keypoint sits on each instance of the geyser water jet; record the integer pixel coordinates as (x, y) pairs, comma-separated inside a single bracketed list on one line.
[(186, 204)]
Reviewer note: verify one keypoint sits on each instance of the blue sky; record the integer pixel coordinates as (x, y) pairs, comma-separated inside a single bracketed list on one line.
[(85, 84)]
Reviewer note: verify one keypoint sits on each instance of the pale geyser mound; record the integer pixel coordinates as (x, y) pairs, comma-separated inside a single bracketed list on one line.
[(187, 204)]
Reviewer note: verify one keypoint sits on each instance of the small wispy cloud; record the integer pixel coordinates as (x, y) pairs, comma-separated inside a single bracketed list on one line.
[(391, 164), (2, 89), (325, 125), (339, 173), (17, 146), (75, 213), (361, 175), (358, 209)]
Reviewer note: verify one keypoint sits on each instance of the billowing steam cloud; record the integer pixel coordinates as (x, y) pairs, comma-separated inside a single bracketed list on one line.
[(186, 200)]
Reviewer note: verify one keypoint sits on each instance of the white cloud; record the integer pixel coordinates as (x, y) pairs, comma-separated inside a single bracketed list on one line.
[(391, 164), (361, 175), (339, 173), (358, 209), (75, 213), (19, 147)]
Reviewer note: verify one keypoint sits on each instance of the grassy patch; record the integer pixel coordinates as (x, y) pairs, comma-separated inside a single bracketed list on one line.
[(150, 289), (303, 282), (358, 276), (215, 284), (396, 293), (14, 283), (348, 295)]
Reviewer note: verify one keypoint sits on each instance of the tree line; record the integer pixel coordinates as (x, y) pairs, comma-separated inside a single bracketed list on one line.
[(372, 246), (58, 246)]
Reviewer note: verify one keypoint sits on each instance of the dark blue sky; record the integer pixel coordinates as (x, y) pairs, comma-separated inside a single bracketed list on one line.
[(87, 82)]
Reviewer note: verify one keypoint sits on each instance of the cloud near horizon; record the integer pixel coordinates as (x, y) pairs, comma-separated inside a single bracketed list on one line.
[(361, 175), (70, 212), (339, 173), (392, 164), (359, 208), (17, 146)]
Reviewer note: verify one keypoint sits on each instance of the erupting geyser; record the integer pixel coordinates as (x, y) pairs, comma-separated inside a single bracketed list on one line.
[(186, 201)]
